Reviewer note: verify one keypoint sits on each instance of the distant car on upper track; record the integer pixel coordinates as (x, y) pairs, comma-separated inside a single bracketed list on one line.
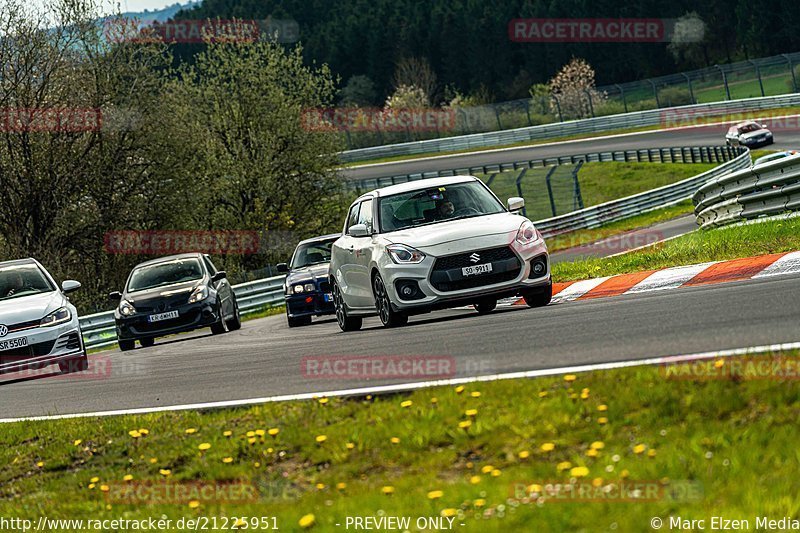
[(38, 324), (307, 289), (434, 244), (749, 134), (171, 295)]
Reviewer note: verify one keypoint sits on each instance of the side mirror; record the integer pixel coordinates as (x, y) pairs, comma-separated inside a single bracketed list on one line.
[(283, 268), (358, 230), (116, 295), (219, 275), (515, 203), (764, 126), (70, 285)]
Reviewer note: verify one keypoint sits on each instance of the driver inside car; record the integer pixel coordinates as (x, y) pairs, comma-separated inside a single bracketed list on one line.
[(445, 209)]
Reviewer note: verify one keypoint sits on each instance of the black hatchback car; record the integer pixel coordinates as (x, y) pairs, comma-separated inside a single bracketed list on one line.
[(307, 289), (172, 295)]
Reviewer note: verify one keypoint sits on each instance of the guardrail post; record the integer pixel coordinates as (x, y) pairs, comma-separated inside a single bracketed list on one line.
[(577, 197), (724, 82), (550, 189), (497, 115), (622, 92), (689, 83), (655, 92), (519, 188), (589, 98), (791, 70), (490, 180), (528, 111), (558, 107)]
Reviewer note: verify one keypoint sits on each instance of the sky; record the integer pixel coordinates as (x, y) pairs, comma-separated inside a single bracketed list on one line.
[(141, 5)]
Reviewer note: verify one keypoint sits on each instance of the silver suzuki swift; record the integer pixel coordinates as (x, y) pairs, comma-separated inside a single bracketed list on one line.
[(434, 244)]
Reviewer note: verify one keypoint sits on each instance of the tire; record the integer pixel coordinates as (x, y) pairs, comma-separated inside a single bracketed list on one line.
[(147, 342), (126, 345), (298, 321), (235, 323), (79, 364), (389, 317), (221, 326), (485, 306), (346, 323), (539, 298)]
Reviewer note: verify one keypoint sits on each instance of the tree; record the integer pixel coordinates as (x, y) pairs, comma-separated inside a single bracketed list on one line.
[(417, 72), (574, 88), (407, 97), (359, 92), (688, 44)]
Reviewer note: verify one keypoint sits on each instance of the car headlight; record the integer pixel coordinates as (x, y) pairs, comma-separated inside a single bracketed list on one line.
[(298, 289), (126, 308), (309, 287), (199, 294), (527, 233), (59, 316), (400, 253)]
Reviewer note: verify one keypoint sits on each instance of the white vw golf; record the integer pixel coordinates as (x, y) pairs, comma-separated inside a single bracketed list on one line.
[(433, 244), (38, 324)]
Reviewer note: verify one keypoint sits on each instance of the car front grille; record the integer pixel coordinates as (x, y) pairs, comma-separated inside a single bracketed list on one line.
[(32, 350), (23, 325), (446, 275)]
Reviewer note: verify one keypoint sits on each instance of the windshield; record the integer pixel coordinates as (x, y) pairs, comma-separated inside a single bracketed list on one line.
[(436, 204), (168, 273), (22, 280), (313, 253), (747, 128)]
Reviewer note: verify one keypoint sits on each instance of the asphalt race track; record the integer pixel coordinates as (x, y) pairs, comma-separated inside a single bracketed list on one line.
[(264, 357), (698, 136)]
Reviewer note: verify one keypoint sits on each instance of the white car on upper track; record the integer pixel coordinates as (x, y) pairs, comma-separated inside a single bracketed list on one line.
[(434, 244), (38, 324)]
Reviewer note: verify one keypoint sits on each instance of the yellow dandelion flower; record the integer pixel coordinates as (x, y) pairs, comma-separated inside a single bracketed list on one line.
[(542, 394), (407, 403), (105, 488), (475, 394), (547, 447), (597, 445), (465, 424), (602, 421), (127, 477), (719, 363), (40, 464), (190, 431), (227, 433), (240, 522), (471, 412), (94, 479), (446, 513), (250, 434), (194, 504), (388, 489), (624, 474), (341, 486), (320, 486), (591, 452), (91, 485), (153, 460), (307, 521), (273, 431), (564, 465), (435, 494), (535, 488), (260, 432), (256, 465), (77, 442), (474, 480), (165, 472), (487, 469), (524, 454), (596, 482), (579, 471), (496, 472), (602, 407), (480, 502), (434, 400), (134, 433), (204, 446), (395, 440), (350, 445), (144, 431), (459, 389), (639, 448), (251, 440), (321, 438), (323, 401), (227, 460), (651, 453), (569, 378)]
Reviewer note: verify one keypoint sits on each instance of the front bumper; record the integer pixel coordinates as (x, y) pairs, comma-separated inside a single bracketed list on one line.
[(507, 283), (45, 346), (190, 317), (315, 303), (755, 143)]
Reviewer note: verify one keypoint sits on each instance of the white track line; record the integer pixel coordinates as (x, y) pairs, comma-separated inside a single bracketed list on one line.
[(578, 289), (669, 278), (788, 264), (401, 387)]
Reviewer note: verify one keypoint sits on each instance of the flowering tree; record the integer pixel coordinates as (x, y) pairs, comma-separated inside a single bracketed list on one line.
[(574, 88)]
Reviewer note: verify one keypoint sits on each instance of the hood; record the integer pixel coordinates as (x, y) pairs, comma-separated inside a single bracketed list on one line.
[(756, 133), (27, 308), (456, 230), (308, 273), (167, 292)]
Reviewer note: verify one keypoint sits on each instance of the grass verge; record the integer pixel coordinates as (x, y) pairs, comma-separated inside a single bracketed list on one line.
[(482, 454), (772, 236)]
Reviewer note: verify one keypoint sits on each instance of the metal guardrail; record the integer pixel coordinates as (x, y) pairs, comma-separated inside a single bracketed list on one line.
[(651, 117), (767, 189), (98, 329), (597, 215), (676, 154)]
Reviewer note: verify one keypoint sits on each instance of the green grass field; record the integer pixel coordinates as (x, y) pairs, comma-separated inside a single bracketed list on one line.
[(482, 454)]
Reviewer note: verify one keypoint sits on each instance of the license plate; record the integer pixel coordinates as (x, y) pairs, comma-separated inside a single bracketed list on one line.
[(10, 344), (162, 316), (328, 297), (477, 269)]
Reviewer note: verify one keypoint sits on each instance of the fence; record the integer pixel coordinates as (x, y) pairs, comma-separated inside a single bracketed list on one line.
[(769, 76), (767, 189)]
